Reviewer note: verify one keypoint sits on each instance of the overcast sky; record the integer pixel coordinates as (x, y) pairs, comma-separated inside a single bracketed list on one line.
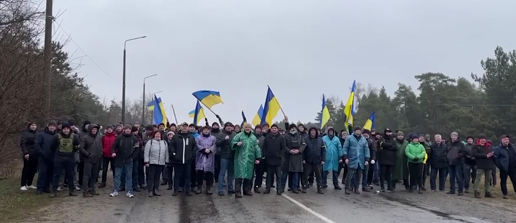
[(300, 48)]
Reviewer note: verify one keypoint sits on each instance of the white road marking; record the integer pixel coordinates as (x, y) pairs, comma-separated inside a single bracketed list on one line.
[(309, 210)]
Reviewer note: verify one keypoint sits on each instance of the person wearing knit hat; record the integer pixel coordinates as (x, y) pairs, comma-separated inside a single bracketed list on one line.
[(387, 155), (293, 160), (400, 171), (456, 154), (367, 174), (46, 158), (415, 153), (469, 163), (483, 154), (356, 155), (226, 156), (273, 148)]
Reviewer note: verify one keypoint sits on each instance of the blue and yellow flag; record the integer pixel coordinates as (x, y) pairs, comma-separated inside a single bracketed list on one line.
[(370, 123), (150, 105), (244, 120), (208, 98), (270, 108), (258, 117), (349, 110), (325, 113), (159, 111), (197, 114)]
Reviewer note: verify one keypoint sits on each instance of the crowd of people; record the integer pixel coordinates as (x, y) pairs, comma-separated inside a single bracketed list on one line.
[(232, 159)]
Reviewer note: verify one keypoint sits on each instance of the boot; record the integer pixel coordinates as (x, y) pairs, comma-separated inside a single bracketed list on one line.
[(487, 194), (356, 191), (295, 191), (72, 194), (420, 191), (319, 190), (93, 192), (52, 195), (303, 190), (156, 193), (248, 193), (198, 191), (136, 189), (347, 191), (267, 190), (189, 193), (238, 194), (365, 189), (87, 194), (169, 187), (208, 191), (102, 185), (257, 190), (151, 194), (279, 191), (477, 194)]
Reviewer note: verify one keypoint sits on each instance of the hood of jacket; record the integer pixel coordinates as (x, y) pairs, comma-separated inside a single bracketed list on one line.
[(316, 132), (90, 129)]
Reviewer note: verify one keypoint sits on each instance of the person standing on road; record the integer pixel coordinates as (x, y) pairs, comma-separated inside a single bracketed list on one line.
[(356, 156), (366, 179), (259, 168), (226, 159), (314, 157), (182, 151), (456, 154), (169, 167), (387, 157), (30, 156), (64, 145), (426, 170), (470, 170), (155, 157), (108, 140), (415, 153), (91, 151), (293, 163), (216, 132), (247, 154), (484, 158), (274, 149), (46, 158), (123, 151), (333, 158), (401, 171), (205, 160), (505, 160), (438, 163)]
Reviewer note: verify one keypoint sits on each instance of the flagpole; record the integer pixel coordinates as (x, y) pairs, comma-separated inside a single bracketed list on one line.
[(174, 111)]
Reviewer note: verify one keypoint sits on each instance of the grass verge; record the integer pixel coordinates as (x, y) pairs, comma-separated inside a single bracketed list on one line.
[(16, 205)]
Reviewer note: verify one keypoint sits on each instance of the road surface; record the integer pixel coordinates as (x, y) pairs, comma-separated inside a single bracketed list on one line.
[(333, 206)]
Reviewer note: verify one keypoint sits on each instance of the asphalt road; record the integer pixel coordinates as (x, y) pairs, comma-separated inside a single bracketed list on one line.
[(333, 206)]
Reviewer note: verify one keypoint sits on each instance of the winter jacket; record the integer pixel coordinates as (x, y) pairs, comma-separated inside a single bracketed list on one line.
[(468, 158), (356, 151), (294, 162), (501, 154), (125, 146), (218, 133), (107, 143), (182, 148), (415, 152), (43, 140), (315, 151), (387, 151), (91, 146), (333, 153), (372, 149), (65, 146), (205, 161), (224, 145), (438, 155), (480, 152), (456, 153), (28, 141), (156, 152), (274, 147)]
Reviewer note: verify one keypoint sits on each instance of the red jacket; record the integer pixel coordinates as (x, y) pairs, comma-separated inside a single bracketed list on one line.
[(107, 142)]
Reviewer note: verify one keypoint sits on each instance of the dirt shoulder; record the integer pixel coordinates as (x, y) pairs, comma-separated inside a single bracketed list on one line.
[(16, 205)]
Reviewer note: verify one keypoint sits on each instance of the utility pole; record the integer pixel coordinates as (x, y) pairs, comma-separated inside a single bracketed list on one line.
[(47, 66), (123, 75)]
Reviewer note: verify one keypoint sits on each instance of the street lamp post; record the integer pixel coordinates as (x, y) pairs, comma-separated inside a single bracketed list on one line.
[(143, 111), (152, 114), (123, 78)]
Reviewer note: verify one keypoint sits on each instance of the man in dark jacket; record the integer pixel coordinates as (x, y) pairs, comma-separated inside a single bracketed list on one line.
[(470, 171), (64, 145), (261, 167), (367, 178), (292, 166), (274, 148), (387, 157), (181, 150), (46, 157), (215, 131), (438, 163), (123, 151), (226, 156), (456, 154), (91, 151), (314, 157), (505, 160), (137, 156), (483, 154), (30, 156)]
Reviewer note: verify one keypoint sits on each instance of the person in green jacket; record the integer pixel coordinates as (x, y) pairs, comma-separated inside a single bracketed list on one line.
[(400, 171), (247, 154), (415, 153)]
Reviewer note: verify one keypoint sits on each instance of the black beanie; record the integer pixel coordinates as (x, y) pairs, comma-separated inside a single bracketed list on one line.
[(291, 126)]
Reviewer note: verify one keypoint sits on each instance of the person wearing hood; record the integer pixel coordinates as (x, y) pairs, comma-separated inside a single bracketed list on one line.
[(247, 154), (505, 160), (470, 170), (123, 151), (46, 158), (415, 153), (387, 157), (64, 145), (483, 154), (293, 162), (456, 154), (91, 151), (155, 158), (400, 171), (438, 162), (274, 150), (182, 152), (314, 156), (226, 155), (215, 131), (108, 139), (80, 161), (356, 155), (259, 168), (194, 130), (342, 166), (30, 156), (205, 160), (334, 154)]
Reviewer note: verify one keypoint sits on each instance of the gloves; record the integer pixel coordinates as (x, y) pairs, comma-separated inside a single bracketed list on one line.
[(372, 162), (416, 159)]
